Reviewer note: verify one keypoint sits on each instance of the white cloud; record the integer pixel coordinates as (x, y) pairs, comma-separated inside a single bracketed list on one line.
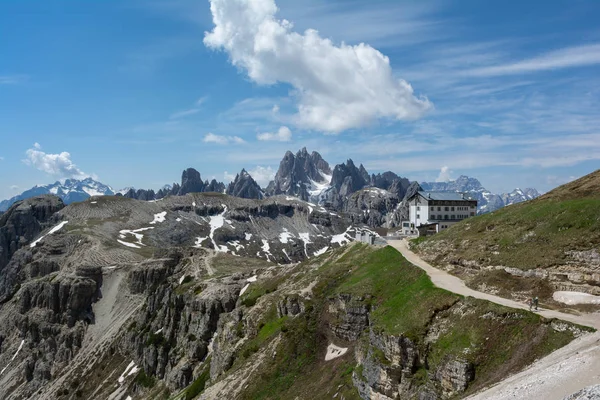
[(576, 56), (54, 164), (282, 135), (201, 100), (212, 138), (338, 87), (14, 187), (445, 175), (228, 177), (262, 175)]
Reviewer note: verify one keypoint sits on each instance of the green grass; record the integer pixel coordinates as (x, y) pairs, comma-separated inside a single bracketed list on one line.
[(199, 384), (497, 340), (535, 234), (403, 295)]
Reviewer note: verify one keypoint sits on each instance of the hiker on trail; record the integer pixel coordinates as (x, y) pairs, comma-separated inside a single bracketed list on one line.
[(535, 303), (530, 302)]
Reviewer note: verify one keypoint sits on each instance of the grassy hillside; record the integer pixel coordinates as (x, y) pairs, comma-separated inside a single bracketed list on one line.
[(536, 234), (403, 302)]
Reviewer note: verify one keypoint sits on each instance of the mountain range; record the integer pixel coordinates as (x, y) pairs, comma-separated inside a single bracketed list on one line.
[(308, 177)]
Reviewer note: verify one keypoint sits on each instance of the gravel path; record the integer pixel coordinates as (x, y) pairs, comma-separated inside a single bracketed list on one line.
[(561, 373)]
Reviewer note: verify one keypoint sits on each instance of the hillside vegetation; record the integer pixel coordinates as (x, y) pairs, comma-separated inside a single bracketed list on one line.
[(415, 331), (557, 234)]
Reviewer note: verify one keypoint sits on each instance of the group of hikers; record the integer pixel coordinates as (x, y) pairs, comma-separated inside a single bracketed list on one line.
[(533, 303)]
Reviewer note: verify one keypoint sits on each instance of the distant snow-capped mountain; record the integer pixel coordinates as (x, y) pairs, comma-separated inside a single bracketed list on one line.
[(70, 191), (486, 200)]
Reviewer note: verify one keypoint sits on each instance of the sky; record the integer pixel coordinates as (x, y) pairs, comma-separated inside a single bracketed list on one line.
[(132, 92)]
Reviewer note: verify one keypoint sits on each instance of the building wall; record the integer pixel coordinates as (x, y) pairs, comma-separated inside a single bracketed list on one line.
[(422, 211), (419, 213), (460, 212)]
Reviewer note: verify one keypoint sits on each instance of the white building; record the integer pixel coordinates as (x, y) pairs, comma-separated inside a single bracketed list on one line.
[(438, 210)]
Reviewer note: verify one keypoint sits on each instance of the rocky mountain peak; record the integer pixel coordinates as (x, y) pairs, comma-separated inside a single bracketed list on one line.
[(191, 182), (298, 173), (244, 186), (347, 179)]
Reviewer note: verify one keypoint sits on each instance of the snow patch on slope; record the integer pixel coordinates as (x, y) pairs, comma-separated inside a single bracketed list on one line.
[(160, 217), (53, 230)]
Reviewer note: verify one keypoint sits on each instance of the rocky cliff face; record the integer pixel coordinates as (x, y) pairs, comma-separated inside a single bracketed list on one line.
[(185, 297), (300, 175), (245, 187), (19, 226)]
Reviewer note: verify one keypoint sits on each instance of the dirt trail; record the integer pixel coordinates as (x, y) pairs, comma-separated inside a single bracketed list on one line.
[(561, 373)]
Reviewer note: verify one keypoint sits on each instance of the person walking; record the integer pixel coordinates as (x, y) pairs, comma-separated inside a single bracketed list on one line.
[(530, 302), (535, 303)]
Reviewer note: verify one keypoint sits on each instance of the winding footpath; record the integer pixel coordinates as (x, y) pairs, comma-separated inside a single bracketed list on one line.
[(554, 377)]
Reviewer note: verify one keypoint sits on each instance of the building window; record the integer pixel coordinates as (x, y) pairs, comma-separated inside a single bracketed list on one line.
[(433, 216), (418, 216), (446, 209), (446, 216), (452, 209), (418, 208), (439, 208)]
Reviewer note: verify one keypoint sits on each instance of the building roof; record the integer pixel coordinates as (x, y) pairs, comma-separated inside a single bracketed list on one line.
[(446, 196)]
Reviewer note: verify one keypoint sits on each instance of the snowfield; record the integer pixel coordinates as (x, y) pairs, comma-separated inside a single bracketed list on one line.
[(285, 236), (572, 298), (53, 230)]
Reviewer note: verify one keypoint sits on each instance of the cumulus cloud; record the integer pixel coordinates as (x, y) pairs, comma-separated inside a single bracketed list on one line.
[(445, 174), (338, 87), (282, 135), (262, 175), (59, 165), (212, 138)]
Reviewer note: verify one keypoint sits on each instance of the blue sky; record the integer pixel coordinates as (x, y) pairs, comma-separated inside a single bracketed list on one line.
[(133, 92)]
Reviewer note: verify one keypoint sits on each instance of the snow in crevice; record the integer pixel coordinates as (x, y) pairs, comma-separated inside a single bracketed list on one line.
[(305, 237), (266, 249), (252, 279), (322, 251), (244, 289), (286, 254), (216, 222), (125, 373), (248, 236), (160, 217), (53, 230), (342, 238), (13, 357)]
